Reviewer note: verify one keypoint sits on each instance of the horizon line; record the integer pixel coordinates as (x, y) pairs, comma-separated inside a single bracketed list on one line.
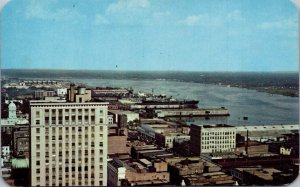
[(123, 70)]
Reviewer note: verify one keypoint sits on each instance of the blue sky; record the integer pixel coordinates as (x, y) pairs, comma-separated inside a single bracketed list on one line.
[(194, 35)]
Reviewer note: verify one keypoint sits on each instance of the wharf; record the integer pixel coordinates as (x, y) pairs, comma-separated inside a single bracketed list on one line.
[(257, 128), (205, 112)]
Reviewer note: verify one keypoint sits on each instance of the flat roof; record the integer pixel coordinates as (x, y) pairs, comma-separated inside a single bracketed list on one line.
[(189, 109), (32, 103), (122, 112), (145, 182), (216, 125), (145, 161), (264, 173)]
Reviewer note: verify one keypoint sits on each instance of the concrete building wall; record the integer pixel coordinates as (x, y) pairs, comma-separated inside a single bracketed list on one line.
[(160, 166), (209, 139), (167, 140), (253, 149), (136, 177), (131, 116), (61, 91), (117, 144), (115, 175), (68, 144)]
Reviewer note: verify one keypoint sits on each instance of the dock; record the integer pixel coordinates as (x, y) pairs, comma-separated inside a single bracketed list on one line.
[(186, 112)]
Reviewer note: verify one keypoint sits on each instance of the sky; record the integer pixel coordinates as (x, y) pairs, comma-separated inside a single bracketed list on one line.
[(193, 35)]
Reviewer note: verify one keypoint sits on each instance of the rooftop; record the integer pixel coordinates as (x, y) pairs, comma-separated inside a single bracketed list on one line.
[(216, 125), (63, 104), (121, 112), (190, 162), (264, 173)]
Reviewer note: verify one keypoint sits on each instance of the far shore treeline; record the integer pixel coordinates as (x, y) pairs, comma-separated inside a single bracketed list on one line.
[(283, 83)]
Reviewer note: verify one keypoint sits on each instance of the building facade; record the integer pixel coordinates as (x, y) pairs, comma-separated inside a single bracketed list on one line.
[(212, 138), (68, 144), (21, 140), (141, 172), (41, 94), (8, 123), (167, 139)]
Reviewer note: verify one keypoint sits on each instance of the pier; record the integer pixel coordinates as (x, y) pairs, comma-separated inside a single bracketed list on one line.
[(199, 112)]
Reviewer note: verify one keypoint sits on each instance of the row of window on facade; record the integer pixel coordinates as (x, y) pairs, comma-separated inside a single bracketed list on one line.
[(68, 111), (217, 142), (67, 129), (72, 120), (217, 147), (67, 145), (70, 162), (69, 169), (217, 133), (73, 179), (218, 137)]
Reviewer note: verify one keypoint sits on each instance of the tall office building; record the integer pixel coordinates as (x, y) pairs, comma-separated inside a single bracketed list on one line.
[(68, 144), (212, 138)]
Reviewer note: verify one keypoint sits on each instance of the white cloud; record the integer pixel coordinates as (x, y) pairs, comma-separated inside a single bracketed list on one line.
[(200, 20), (100, 20), (280, 24), (192, 20), (44, 10), (127, 5), (235, 16), (159, 18), (161, 14), (36, 10)]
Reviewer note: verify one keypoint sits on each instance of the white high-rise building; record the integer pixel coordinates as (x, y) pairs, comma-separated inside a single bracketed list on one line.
[(212, 138), (68, 144)]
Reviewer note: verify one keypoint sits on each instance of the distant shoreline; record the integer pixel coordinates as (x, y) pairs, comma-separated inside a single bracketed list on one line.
[(279, 83)]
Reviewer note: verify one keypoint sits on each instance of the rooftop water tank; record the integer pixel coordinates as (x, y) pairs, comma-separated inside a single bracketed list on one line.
[(81, 90)]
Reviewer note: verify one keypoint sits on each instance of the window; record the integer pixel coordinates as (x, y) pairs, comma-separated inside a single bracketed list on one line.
[(37, 122), (37, 130)]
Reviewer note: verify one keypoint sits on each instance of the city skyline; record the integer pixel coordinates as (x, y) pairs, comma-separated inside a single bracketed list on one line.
[(150, 35)]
